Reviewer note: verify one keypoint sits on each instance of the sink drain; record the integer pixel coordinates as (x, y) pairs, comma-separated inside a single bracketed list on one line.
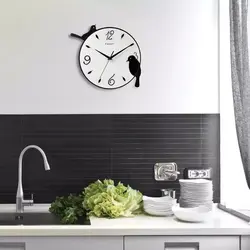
[(18, 217)]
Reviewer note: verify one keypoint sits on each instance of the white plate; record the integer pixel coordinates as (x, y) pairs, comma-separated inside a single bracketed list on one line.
[(155, 207), (156, 213), (196, 199), (158, 208), (208, 206), (195, 181), (191, 194), (195, 195), (157, 199), (164, 206), (158, 203), (197, 190), (198, 202)]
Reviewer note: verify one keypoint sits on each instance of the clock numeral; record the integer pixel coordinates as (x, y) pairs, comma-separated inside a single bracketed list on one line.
[(136, 55), (110, 34), (124, 79), (111, 81), (87, 60)]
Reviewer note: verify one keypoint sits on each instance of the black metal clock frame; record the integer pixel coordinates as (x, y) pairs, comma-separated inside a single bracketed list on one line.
[(80, 61)]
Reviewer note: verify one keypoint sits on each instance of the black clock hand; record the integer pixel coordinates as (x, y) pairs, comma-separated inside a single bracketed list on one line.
[(132, 44), (109, 58)]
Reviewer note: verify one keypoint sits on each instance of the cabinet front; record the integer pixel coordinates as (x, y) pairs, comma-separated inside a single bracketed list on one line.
[(12, 246), (245, 242), (61, 243), (182, 243), (74, 243)]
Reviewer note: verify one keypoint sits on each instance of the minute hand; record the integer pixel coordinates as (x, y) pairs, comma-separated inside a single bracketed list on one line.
[(132, 44)]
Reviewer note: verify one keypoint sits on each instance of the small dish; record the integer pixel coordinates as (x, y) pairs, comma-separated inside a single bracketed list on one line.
[(195, 214)]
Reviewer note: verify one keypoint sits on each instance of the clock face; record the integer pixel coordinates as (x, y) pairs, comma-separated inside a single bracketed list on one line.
[(103, 57)]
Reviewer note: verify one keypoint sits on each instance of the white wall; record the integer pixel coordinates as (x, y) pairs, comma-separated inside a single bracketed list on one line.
[(234, 190), (38, 68)]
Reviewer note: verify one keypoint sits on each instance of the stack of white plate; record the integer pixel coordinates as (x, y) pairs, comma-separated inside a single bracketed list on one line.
[(197, 192), (158, 206)]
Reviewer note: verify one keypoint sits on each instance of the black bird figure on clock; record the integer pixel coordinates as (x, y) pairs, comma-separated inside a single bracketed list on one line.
[(135, 69), (104, 54), (86, 35)]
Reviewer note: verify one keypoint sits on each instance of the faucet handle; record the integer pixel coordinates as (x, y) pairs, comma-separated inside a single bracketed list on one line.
[(168, 192), (32, 198), (29, 202)]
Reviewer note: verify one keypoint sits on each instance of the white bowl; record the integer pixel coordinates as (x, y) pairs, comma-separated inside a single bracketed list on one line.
[(195, 214)]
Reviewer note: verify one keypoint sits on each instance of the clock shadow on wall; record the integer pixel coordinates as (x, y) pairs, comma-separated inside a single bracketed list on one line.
[(109, 57)]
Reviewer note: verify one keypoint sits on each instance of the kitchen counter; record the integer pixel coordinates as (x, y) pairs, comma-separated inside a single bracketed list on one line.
[(221, 223)]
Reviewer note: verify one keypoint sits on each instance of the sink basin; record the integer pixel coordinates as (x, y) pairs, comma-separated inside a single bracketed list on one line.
[(9, 219)]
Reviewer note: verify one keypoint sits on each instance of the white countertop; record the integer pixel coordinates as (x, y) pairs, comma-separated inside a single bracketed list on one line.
[(221, 223)]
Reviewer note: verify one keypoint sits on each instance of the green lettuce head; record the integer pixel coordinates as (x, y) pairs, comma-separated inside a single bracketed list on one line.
[(105, 199)]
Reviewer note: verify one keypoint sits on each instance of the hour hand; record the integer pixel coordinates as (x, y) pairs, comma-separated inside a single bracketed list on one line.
[(109, 57)]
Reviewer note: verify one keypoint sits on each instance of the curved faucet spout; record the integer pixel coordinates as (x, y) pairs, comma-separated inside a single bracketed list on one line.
[(20, 202)]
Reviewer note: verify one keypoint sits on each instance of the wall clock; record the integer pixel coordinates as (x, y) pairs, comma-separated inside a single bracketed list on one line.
[(109, 57)]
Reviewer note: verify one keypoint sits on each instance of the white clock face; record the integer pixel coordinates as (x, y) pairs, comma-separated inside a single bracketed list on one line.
[(103, 57)]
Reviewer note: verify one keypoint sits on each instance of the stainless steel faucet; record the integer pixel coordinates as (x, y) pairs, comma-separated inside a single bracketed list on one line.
[(20, 202)]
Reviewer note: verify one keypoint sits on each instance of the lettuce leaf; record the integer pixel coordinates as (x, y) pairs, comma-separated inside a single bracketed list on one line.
[(68, 208), (105, 199)]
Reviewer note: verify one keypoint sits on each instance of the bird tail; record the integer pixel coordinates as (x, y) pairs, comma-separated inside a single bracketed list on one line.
[(76, 36), (137, 82)]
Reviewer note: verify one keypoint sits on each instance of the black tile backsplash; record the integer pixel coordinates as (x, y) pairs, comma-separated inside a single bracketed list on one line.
[(83, 148)]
